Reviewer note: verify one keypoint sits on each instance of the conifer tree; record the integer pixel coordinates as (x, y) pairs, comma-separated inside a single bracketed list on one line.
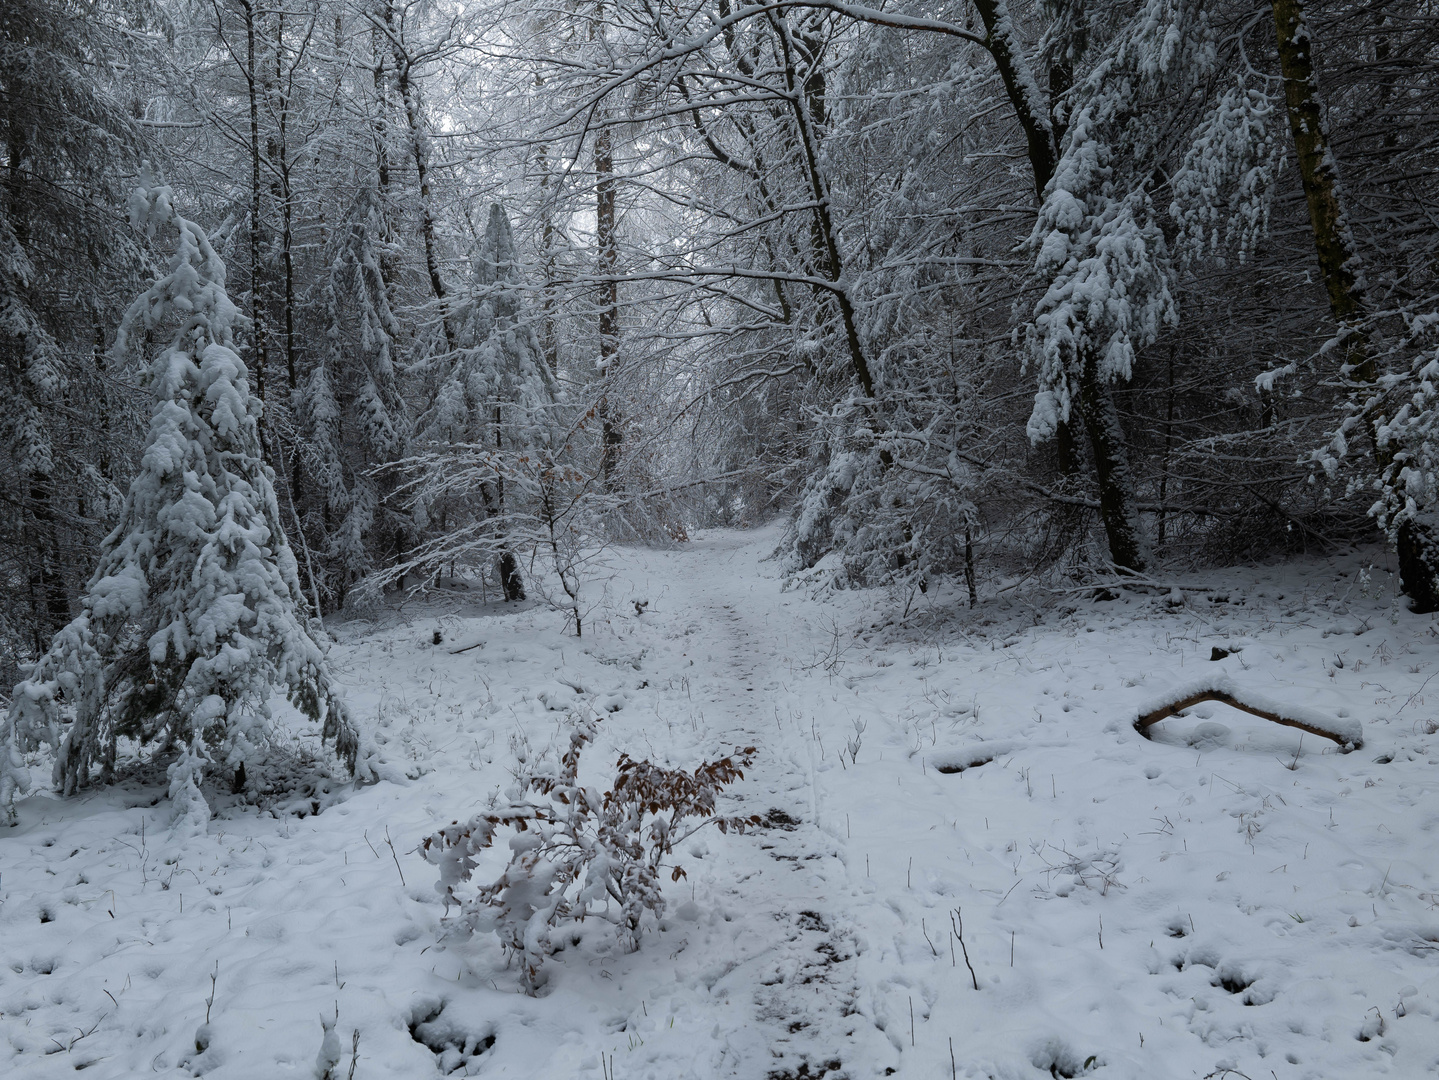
[(492, 406), (353, 414), (195, 611), (65, 137)]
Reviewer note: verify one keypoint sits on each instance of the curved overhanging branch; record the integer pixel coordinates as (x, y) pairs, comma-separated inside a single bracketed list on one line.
[(675, 49)]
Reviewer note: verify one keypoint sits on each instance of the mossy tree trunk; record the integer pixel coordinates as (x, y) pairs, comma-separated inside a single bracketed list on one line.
[(1418, 548)]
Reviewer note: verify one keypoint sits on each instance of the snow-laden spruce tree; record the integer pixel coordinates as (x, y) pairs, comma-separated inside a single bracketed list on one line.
[(195, 611), (487, 430), (499, 387), (1099, 249), (353, 411)]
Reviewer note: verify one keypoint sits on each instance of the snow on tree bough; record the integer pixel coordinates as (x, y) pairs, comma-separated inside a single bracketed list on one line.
[(194, 612)]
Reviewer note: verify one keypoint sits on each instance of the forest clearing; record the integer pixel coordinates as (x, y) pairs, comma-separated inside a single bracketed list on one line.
[(1228, 894)]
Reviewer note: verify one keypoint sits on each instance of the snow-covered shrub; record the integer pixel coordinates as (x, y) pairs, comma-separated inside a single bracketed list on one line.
[(195, 610), (896, 508), (580, 852)]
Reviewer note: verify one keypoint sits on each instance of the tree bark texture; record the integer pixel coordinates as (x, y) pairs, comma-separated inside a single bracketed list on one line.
[(1418, 548), (1002, 41), (1118, 507), (257, 320), (607, 265), (1332, 240)]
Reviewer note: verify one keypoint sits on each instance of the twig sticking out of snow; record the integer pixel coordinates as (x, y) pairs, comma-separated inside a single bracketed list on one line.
[(958, 930), (394, 856)]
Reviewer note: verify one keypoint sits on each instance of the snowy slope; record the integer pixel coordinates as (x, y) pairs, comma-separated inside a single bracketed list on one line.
[(1225, 896)]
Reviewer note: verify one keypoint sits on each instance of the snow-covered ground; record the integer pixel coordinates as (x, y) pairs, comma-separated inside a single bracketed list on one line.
[(1223, 897)]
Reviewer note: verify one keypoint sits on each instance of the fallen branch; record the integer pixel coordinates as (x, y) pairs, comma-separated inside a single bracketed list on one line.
[(1221, 689)]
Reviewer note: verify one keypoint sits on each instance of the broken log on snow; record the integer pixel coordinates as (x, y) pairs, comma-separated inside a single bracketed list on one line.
[(1343, 730)]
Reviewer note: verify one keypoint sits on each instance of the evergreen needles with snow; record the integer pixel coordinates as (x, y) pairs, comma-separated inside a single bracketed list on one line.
[(485, 471), (352, 412), (195, 610)]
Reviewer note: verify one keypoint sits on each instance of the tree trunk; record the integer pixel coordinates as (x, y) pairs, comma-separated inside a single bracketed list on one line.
[(381, 128), (1118, 508), (403, 76), (1168, 446), (801, 99), (1332, 240), (510, 579), (1032, 111), (1419, 566), (549, 339), (286, 193), (1066, 450), (1418, 548), (607, 263), (48, 574), (104, 447), (969, 580), (257, 321)]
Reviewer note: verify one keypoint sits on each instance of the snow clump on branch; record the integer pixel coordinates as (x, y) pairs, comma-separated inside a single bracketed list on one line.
[(194, 611)]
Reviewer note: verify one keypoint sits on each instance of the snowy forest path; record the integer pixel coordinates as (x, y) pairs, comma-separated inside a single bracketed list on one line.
[(798, 961), (972, 865)]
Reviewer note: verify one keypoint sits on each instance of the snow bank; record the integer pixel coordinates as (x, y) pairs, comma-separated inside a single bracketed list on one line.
[(968, 757)]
